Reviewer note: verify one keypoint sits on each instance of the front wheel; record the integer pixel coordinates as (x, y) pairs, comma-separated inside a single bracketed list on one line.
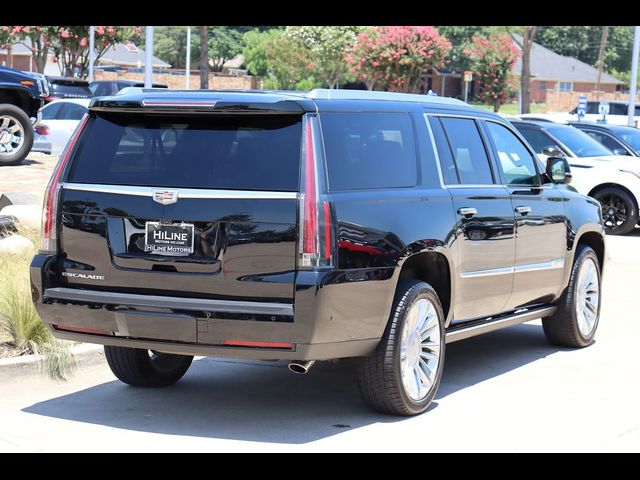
[(402, 376), (619, 211), (16, 135), (146, 368), (575, 321)]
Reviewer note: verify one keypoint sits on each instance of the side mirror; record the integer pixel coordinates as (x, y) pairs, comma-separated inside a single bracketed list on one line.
[(558, 170), (552, 151)]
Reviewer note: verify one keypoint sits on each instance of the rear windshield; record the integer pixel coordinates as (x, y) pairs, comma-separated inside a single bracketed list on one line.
[(69, 89), (242, 152)]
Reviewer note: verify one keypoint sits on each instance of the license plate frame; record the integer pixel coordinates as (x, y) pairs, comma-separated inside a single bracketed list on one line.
[(171, 240)]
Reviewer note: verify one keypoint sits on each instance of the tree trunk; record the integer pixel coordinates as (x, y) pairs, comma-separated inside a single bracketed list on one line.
[(528, 35), (204, 58)]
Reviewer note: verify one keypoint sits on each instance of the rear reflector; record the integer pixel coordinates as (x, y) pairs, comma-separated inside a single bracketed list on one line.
[(73, 328), (245, 343)]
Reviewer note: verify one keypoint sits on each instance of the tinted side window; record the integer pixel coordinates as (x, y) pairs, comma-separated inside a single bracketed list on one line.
[(592, 107), (537, 139), (514, 160), (468, 151), (101, 89), (51, 111), (449, 173), (606, 140), (618, 109), (369, 150)]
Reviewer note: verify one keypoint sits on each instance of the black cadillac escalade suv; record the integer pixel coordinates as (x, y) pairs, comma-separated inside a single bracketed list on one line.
[(305, 227)]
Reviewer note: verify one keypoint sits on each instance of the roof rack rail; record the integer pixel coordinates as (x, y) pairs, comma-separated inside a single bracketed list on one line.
[(343, 94)]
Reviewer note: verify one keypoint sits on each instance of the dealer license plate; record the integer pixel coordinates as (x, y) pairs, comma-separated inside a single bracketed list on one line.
[(173, 239)]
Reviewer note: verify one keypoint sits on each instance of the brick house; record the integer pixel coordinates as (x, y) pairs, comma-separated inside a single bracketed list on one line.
[(20, 58), (550, 72), (557, 73)]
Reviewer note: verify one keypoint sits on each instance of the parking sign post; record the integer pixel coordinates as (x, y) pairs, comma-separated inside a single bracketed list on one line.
[(468, 75), (582, 106)]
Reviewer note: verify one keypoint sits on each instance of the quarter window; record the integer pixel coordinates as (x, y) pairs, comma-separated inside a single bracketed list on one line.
[(468, 151), (369, 150), (514, 160)]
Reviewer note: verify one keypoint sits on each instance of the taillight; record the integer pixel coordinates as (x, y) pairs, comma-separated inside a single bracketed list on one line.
[(52, 194), (315, 209), (42, 130)]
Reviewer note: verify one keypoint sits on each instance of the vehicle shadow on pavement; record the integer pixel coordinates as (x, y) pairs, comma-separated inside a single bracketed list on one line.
[(264, 402)]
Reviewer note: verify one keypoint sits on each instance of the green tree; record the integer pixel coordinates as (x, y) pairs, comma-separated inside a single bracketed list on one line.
[(583, 42), (492, 59), (170, 45), (223, 44), (326, 45), (396, 57), (41, 38), (282, 61), (71, 48)]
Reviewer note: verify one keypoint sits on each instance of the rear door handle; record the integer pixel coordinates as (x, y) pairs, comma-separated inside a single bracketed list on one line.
[(523, 210), (467, 211)]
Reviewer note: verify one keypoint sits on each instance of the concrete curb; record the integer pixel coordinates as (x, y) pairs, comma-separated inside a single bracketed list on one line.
[(85, 355)]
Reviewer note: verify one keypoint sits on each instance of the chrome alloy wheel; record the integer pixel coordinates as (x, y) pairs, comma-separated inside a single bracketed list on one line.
[(588, 301), (11, 135), (420, 349)]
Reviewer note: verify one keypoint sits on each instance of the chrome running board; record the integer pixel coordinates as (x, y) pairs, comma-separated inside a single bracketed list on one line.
[(478, 327)]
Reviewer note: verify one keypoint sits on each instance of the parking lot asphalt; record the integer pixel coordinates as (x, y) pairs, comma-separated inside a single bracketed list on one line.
[(505, 391)]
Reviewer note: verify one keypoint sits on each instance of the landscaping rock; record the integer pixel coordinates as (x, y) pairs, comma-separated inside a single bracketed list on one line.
[(15, 244), (28, 216), (7, 225), (17, 198)]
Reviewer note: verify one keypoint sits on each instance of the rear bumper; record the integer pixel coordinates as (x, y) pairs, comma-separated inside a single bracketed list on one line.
[(331, 317)]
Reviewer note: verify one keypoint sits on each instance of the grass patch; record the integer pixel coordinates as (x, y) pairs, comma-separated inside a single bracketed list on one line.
[(19, 321), (512, 108)]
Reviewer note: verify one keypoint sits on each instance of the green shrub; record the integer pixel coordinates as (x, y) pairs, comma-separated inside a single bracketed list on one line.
[(19, 321)]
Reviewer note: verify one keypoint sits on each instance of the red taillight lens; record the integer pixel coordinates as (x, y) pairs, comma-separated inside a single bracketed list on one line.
[(42, 130), (310, 238), (52, 194), (315, 212)]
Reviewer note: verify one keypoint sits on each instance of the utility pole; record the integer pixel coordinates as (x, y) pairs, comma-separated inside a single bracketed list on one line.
[(204, 58), (187, 70), (92, 52), (603, 44), (634, 77), (148, 60)]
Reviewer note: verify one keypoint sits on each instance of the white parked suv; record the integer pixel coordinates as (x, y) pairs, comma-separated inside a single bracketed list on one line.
[(613, 180)]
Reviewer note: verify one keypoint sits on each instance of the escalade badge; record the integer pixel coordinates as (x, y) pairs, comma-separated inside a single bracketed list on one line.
[(165, 197)]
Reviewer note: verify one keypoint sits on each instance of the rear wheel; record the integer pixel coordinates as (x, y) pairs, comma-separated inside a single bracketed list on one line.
[(146, 368), (575, 321), (619, 210), (16, 135), (402, 376)]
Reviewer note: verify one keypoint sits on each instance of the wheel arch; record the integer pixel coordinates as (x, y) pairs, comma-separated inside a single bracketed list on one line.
[(433, 268), (601, 186), (16, 96), (596, 241)]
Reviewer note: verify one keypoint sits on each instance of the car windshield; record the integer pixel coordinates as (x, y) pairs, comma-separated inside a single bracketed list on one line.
[(581, 144)]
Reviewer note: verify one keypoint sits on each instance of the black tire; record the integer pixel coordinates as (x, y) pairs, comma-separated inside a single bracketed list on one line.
[(562, 327), (11, 111), (143, 368), (619, 210), (379, 375)]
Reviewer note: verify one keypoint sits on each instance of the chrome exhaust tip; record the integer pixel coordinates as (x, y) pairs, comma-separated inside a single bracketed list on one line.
[(301, 368)]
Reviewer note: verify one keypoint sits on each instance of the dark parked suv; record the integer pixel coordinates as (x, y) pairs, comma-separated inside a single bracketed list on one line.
[(333, 224)]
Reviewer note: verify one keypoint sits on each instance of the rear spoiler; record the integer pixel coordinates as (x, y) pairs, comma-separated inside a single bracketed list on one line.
[(214, 102)]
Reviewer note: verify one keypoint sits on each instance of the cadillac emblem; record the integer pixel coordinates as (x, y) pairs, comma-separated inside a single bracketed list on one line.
[(165, 197)]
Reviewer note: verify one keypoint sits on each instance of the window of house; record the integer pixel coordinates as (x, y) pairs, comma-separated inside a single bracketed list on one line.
[(565, 86), (542, 86)]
